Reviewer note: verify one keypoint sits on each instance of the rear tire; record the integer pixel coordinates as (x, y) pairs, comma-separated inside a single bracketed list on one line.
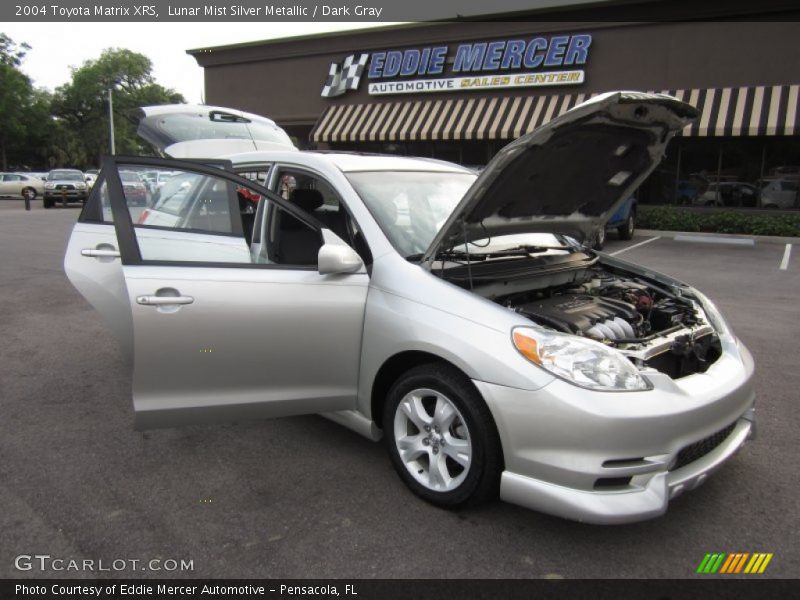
[(441, 437), (600, 239), (29, 193), (627, 230)]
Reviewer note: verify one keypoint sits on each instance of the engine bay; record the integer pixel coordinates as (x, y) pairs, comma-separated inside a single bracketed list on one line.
[(651, 325)]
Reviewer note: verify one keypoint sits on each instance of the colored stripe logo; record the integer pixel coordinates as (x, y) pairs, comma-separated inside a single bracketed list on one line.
[(735, 562)]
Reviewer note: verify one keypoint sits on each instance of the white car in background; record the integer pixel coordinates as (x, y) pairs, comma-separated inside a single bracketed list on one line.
[(20, 185), (91, 177), (779, 193)]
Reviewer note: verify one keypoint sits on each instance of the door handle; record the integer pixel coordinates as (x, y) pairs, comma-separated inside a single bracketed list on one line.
[(163, 300), (99, 253)]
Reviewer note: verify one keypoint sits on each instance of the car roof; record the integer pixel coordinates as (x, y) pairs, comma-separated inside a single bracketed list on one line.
[(351, 161)]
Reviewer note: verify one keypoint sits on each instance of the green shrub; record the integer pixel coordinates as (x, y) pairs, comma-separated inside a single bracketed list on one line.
[(675, 218)]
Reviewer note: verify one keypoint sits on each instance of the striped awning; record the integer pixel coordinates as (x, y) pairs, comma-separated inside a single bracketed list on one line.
[(742, 111)]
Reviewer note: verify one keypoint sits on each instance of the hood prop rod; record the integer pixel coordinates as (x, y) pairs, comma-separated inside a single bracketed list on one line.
[(466, 250)]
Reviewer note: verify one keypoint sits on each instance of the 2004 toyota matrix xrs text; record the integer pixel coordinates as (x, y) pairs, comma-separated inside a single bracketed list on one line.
[(453, 314)]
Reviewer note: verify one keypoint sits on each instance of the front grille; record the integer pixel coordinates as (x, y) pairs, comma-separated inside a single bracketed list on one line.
[(65, 187), (612, 482), (698, 450)]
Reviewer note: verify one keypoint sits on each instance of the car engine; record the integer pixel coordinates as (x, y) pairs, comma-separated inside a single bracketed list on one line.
[(649, 324)]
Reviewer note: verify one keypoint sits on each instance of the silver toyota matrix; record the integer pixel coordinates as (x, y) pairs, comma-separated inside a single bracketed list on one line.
[(453, 314)]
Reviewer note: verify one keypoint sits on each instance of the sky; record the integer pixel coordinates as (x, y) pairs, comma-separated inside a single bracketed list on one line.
[(58, 46)]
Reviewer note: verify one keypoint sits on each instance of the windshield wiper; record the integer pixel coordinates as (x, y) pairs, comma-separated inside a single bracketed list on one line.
[(523, 250)]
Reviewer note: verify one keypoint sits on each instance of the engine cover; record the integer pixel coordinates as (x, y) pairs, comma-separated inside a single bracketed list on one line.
[(593, 316)]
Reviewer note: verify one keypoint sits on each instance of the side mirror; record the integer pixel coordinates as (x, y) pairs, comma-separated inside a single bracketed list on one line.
[(336, 259)]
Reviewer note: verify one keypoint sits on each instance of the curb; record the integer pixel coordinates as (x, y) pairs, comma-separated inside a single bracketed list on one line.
[(761, 239)]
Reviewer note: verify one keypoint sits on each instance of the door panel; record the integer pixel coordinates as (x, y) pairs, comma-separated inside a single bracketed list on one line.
[(96, 273), (220, 334), (252, 343)]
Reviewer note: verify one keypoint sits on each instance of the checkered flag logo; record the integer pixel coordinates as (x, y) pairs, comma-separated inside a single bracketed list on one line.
[(345, 76)]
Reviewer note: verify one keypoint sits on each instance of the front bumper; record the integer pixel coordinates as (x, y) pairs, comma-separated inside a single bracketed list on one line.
[(68, 194), (615, 457)]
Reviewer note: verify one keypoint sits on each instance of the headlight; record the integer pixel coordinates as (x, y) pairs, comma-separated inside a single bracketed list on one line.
[(49, 186), (580, 361), (718, 322), (80, 186)]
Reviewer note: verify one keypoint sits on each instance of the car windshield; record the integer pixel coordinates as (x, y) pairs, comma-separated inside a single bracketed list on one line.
[(129, 177), (411, 206), (65, 176)]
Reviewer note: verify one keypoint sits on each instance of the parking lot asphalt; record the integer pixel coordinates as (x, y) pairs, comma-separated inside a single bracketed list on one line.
[(303, 497)]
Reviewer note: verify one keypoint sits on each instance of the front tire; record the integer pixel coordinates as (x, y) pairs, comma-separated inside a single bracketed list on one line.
[(29, 193), (441, 437)]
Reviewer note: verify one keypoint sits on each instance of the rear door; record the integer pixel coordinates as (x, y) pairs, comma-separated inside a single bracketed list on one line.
[(221, 333)]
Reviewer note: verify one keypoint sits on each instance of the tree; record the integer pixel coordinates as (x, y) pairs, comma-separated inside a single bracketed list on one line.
[(81, 103), (11, 53), (15, 95)]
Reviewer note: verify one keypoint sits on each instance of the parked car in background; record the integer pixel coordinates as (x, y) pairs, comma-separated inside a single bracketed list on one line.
[(90, 176), (134, 187), (623, 221), (779, 193), (155, 180), (729, 193), (687, 190), (20, 185), (65, 185)]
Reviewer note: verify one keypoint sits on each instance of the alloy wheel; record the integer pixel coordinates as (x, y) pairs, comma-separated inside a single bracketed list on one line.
[(432, 440)]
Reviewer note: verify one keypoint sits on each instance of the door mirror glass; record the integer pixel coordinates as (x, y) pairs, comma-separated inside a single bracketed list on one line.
[(338, 259)]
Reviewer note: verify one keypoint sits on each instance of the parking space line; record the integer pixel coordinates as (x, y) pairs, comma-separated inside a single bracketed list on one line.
[(785, 260), (715, 239), (652, 239)]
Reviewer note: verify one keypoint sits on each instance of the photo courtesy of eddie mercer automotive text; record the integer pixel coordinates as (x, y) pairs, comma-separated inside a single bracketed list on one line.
[(455, 314)]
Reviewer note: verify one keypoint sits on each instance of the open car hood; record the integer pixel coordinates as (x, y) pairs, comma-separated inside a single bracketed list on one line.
[(199, 131), (570, 175)]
